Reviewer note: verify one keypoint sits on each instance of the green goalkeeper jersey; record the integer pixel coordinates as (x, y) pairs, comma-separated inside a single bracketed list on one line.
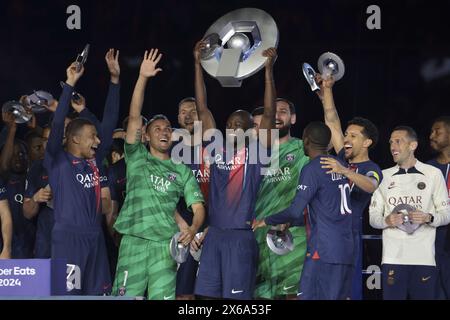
[(279, 275), (279, 186), (154, 188)]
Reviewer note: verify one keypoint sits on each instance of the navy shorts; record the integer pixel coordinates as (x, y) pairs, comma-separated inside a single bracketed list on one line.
[(22, 245), (228, 264), (43, 245), (401, 282), (357, 279), (443, 265), (87, 260), (186, 275), (324, 281)]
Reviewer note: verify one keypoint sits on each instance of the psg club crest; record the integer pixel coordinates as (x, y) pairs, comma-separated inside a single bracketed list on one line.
[(172, 177), (290, 157)]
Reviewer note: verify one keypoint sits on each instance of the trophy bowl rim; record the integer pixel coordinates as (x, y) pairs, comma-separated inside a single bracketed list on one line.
[(337, 59), (255, 62)]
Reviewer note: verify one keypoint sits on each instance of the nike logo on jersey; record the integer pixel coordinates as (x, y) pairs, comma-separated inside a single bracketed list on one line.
[(236, 291), (425, 279), (119, 181), (392, 185), (287, 288), (168, 297)]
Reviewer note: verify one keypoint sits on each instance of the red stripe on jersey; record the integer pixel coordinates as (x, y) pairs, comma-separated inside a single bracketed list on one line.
[(307, 224), (448, 180), (204, 169), (96, 182), (236, 177)]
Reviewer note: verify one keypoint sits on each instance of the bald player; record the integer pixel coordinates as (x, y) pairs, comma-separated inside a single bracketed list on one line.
[(229, 256)]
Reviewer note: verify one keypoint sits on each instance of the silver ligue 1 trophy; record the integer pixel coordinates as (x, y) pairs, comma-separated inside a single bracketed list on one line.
[(408, 226), (39, 100), (82, 58), (280, 242), (329, 64), (235, 43), (177, 250), (18, 110)]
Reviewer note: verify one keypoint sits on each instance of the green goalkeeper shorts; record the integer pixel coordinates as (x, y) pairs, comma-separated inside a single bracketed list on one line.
[(147, 266)]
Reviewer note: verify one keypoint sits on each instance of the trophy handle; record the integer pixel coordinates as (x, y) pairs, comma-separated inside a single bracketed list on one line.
[(309, 74)]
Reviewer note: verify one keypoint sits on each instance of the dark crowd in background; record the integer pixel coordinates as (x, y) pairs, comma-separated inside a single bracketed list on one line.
[(396, 75)]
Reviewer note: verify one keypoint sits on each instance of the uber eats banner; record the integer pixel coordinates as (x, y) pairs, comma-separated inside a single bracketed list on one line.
[(32, 277)]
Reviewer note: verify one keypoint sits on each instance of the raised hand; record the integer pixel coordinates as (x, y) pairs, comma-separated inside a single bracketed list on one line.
[(72, 75), (112, 61), (9, 119), (52, 106), (32, 122), (23, 100), (326, 83), (148, 66), (199, 46), (79, 104), (271, 54)]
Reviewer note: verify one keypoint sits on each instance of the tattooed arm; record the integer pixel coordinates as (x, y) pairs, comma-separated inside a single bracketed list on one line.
[(147, 71)]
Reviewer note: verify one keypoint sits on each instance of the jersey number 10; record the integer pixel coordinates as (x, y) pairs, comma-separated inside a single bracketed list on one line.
[(344, 196)]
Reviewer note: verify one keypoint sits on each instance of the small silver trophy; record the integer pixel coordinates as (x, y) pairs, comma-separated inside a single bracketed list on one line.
[(177, 250), (407, 226), (82, 58), (19, 111), (279, 242), (309, 74), (329, 64), (39, 101)]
